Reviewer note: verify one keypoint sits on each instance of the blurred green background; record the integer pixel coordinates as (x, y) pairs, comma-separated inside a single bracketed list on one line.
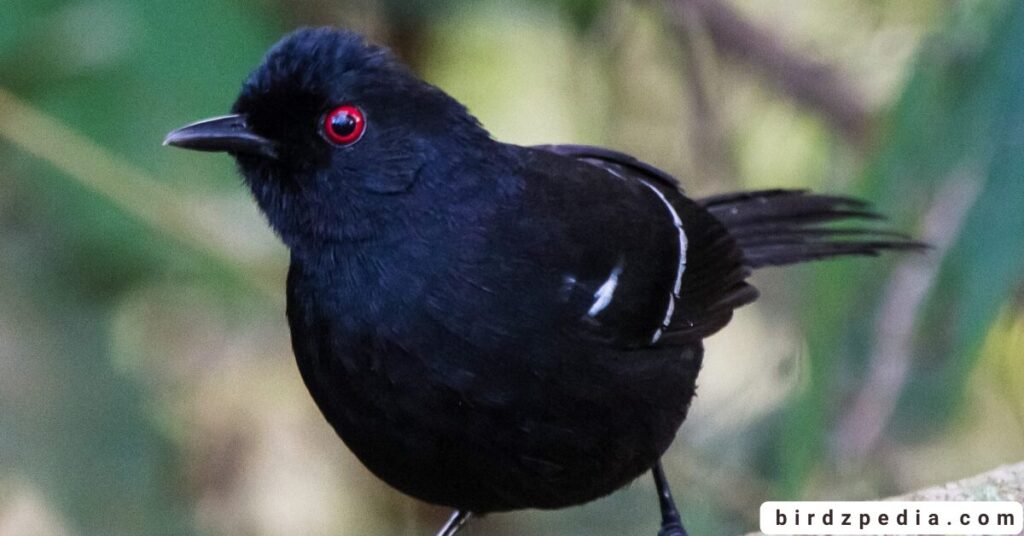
[(146, 380)]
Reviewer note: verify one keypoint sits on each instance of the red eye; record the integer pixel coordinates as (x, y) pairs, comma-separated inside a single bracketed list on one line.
[(344, 125)]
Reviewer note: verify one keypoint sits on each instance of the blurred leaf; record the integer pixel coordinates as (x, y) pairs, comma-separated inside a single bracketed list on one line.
[(962, 112), (979, 94), (581, 13), (119, 182), (110, 78)]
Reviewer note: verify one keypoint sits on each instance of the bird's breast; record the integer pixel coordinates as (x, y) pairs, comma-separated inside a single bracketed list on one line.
[(459, 399)]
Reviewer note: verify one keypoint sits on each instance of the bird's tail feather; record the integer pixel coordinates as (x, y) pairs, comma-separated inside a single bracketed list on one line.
[(779, 227)]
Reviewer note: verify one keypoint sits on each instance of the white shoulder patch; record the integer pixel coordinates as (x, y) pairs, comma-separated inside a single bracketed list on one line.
[(604, 294)]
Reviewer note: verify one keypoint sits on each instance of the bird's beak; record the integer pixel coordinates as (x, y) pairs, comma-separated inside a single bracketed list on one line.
[(230, 134)]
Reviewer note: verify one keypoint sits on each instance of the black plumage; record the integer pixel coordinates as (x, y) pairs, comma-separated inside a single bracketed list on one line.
[(488, 326)]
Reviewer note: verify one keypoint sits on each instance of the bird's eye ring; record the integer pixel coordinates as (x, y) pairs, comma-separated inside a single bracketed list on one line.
[(344, 125)]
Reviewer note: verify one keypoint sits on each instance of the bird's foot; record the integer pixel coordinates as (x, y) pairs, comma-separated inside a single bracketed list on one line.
[(672, 529), (455, 523), (671, 522)]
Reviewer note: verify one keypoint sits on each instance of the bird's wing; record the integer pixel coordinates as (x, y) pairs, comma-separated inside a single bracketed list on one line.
[(709, 283), (615, 161), (589, 250)]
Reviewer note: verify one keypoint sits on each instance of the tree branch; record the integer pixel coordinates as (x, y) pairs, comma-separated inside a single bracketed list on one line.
[(813, 83), (1003, 484)]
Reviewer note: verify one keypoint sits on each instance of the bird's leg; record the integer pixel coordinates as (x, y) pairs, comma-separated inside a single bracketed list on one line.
[(671, 523), (455, 522)]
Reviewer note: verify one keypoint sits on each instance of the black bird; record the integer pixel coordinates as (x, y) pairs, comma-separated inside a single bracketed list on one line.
[(487, 326)]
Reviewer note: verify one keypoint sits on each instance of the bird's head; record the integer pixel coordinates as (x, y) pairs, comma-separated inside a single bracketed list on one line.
[(331, 133)]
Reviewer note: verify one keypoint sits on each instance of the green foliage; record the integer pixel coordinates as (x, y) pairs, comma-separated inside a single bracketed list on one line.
[(119, 72), (956, 130)]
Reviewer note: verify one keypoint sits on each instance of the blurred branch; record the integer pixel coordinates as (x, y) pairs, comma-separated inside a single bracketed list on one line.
[(1003, 484), (708, 138), (123, 184), (812, 83), (869, 414)]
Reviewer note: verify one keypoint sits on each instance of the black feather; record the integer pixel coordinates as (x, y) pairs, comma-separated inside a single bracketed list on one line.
[(780, 227)]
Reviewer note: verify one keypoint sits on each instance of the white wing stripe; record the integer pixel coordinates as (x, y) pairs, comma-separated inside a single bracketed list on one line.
[(678, 222)]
